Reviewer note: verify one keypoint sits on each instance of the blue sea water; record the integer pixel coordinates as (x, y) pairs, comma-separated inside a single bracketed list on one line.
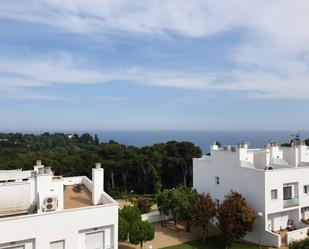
[(200, 138)]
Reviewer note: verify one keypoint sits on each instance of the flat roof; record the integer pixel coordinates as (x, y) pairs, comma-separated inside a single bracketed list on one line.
[(73, 199)]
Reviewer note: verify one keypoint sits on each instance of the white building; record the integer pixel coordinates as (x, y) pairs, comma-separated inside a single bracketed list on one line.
[(41, 211), (274, 180)]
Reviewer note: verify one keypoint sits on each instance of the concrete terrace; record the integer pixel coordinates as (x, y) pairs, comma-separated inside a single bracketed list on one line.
[(73, 199)]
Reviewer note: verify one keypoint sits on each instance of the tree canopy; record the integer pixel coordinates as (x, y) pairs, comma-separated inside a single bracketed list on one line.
[(123, 228), (235, 217), (202, 212), (131, 215), (141, 232), (178, 203), (132, 226), (147, 169)]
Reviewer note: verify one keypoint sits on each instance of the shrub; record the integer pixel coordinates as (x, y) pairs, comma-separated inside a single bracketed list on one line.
[(300, 244), (123, 229), (144, 205)]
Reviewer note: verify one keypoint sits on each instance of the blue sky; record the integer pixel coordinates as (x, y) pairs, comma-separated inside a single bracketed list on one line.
[(154, 65)]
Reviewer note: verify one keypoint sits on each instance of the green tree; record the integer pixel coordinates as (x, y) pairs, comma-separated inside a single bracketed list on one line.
[(202, 211), (178, 203), (96, 140), (131, 214), (141, 232), (123, 229), (285, 145), (235, 217), (111, 155), (177, 163), (86, 138), (187, 151), (181, 203), (164, 201)]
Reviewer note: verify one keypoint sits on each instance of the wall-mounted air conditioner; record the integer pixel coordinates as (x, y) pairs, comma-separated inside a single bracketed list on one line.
[(50, 203)]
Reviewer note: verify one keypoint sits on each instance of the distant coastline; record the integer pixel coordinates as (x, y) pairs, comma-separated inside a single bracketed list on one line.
[(200, 138)]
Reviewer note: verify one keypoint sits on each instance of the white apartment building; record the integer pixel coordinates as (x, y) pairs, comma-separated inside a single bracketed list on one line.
[(274, 180), (39, 210)]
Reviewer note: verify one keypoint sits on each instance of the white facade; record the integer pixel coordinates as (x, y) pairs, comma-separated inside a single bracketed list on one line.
[(40, 211), (273, 180)]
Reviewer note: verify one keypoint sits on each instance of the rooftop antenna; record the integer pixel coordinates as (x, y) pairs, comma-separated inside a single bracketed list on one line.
[(296, 136)]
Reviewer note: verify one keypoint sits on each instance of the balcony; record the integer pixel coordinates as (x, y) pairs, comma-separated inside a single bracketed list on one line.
[(292, 202)]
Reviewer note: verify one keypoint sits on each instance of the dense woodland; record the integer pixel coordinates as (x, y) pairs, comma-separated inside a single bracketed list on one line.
[(143, 170)]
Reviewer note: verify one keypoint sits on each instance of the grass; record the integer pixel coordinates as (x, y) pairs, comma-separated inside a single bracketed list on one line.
[(216, 242)]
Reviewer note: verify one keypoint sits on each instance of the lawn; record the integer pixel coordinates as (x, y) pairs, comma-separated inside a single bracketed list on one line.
[(216, 242)]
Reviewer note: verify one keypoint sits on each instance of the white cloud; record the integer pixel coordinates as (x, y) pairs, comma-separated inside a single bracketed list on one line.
[(19, 76), (286, 20), (272, 61)]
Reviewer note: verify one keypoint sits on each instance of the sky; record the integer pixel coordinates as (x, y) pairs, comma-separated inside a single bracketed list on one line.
[(154, 65)]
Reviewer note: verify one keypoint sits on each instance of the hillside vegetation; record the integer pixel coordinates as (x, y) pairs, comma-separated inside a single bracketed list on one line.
[(127, 168)]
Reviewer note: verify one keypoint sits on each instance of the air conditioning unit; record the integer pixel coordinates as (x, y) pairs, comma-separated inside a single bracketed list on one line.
[(50, 203)]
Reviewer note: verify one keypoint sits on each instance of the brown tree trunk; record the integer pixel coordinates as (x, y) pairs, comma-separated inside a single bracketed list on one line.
[(174, 179), (146, 177), (188, 227), (226, 244), (125, 182), (204, 234), (185, 172), (112, 179), (191, 175)]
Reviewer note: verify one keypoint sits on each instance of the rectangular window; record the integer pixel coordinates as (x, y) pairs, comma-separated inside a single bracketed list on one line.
[(217, 180), (57, 244), (274, 194), (95, 240), (306, 189), (287, 193)]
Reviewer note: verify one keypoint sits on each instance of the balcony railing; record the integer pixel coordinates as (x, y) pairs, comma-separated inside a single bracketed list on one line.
[(290, 202)]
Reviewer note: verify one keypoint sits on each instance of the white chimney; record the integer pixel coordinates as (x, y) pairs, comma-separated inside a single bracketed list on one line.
[(97, 184), (38, 167)]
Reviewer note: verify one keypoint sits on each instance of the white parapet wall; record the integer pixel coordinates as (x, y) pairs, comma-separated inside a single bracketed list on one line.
[(87, 182), (72, 180), (68, 225), (154, 217), (296, 235), (271, 239)]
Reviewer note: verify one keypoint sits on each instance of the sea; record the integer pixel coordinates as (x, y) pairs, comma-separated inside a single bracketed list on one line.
[(203, 139)]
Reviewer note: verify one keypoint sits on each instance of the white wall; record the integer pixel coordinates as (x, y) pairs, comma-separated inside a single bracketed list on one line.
[(72, 180), (255, 183), (299, 234), (14, 198), (249, 182), (275, 179), (153, 217), (64, 225), (87, 182), (226, 165)]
